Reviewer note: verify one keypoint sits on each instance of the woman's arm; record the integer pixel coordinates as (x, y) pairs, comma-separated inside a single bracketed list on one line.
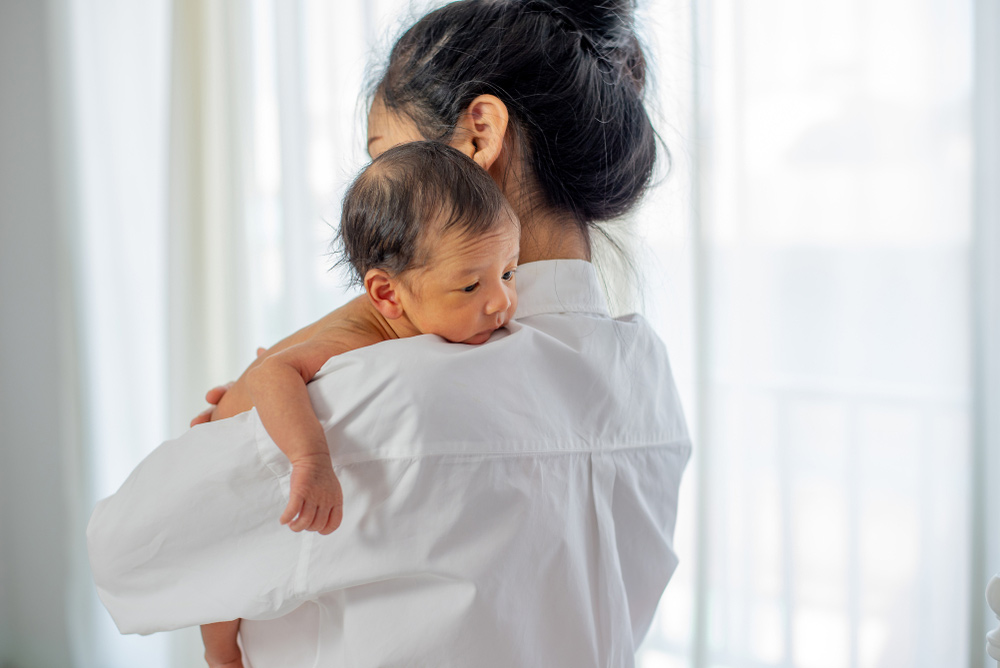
[(185, 540)]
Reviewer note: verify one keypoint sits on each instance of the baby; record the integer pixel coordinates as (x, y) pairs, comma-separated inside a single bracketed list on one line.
[(435, 245)]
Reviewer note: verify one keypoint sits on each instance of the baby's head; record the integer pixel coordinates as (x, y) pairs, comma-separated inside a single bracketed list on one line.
[(433, 241)]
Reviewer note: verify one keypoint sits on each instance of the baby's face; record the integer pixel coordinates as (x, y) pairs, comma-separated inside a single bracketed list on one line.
[(466, 291)]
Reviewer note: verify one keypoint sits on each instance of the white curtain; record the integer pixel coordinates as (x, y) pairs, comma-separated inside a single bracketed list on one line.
[(116, 57), (265, 135), (211, 142), (807, 259), (834, 235)]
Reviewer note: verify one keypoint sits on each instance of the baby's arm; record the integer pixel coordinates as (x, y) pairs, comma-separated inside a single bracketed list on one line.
[(357, 323), (350, 327), (277, 387)]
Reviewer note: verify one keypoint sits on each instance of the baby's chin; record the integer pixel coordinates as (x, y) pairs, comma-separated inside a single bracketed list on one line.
[(481, 337)]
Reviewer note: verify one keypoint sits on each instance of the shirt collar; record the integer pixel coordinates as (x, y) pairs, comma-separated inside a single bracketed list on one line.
[(558, 286)]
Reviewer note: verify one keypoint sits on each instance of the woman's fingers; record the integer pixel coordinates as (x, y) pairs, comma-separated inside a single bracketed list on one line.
[(214, 395), (204, 416)]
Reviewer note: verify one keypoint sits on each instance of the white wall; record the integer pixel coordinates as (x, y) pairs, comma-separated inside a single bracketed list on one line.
[(34, 529)]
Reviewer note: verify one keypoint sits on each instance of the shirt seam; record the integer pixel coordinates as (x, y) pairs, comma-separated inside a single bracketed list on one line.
[(556, 309), (299, 580), (259, 443), (678, 445)]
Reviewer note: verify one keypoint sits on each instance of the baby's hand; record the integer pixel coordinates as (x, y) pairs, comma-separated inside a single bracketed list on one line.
[(316, 502)]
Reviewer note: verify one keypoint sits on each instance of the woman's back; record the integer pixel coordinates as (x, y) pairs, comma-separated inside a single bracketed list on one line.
[(506, 505)]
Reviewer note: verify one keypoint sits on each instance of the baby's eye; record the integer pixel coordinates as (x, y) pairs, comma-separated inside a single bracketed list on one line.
[(470, 288), (508, 275)]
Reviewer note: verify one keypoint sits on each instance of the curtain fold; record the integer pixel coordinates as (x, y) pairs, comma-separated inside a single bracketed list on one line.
[(210, 154), (113, 113), (201, 224)]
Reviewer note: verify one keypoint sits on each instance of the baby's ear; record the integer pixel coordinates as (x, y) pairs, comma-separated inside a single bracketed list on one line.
[(382, 290)]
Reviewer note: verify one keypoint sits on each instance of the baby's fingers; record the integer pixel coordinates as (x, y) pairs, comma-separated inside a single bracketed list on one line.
[(305, 518), (293, 508), (321, 519), (333, 520)]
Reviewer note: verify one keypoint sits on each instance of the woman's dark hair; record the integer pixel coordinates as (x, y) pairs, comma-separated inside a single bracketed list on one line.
[(571, 74), (409, 192)]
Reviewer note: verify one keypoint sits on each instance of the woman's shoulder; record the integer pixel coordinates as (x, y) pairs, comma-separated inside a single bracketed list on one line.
[(572, 380)]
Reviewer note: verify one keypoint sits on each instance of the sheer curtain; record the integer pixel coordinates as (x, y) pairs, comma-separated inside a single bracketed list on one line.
[(210, 144), (116, 62), (807, 259), (265, 137), (834, 240)]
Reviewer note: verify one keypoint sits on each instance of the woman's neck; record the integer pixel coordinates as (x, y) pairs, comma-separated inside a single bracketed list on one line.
[(547, 236)]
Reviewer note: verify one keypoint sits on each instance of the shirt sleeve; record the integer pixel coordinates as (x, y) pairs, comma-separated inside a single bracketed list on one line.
[(193, 535)]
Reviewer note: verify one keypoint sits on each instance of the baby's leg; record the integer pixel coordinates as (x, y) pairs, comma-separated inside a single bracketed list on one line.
[(221, 648)]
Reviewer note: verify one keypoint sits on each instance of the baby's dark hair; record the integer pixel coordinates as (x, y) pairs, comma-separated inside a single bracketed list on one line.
[(405, 196), (572, 74)]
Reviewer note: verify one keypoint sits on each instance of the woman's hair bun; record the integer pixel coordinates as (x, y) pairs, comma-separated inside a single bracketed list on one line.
[(604, 19), (606, 28)]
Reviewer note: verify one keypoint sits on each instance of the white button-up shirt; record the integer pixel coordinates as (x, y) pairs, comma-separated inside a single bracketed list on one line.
[(509, 504)]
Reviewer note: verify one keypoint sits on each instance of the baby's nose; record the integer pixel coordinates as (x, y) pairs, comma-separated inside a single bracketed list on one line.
[(499, 301)]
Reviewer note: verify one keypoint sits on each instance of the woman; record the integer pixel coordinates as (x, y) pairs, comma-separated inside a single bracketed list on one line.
[(510, 504)]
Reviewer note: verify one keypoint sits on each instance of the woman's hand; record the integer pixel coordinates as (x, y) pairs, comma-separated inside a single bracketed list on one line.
[(213, 396)]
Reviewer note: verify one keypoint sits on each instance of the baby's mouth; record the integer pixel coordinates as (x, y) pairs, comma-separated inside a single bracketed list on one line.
[(481, 337)]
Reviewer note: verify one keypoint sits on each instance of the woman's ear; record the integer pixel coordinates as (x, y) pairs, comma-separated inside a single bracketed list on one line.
[(382, 290), (481, 130)]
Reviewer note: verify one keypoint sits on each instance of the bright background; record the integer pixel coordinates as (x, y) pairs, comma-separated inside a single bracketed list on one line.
[(820, 259)]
